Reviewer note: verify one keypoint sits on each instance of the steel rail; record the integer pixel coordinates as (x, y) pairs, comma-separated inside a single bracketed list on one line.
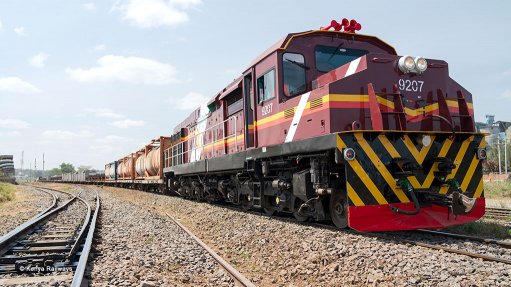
[(54, 203), (456, 251), (233, 272), (469, 237), (13, 235), (82, 263), (82, 230)]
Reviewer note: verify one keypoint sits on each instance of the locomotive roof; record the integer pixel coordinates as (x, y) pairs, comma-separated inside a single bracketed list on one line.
[(284, 42)]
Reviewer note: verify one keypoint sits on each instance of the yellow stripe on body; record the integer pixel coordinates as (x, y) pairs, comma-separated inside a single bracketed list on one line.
[(362, 99), (359, 170), (353, 196), (345, 98), (479, 189), (457, 161), (381, 168), (472, 168)]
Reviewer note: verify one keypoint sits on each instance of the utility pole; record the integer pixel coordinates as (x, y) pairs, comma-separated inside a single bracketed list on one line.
[(498, 148), (505, 154), (43, 164), (22, 154), (30, 172)]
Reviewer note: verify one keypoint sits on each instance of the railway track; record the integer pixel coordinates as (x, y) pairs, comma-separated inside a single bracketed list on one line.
[(399, 238), (503, 214), (238, 278), (53, 245)]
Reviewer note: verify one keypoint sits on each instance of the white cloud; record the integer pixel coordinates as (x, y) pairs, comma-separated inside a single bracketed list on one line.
[(20, 31), (127, 123), (10, 134), (189, 102), (13, 124), (109, 144), (1, 25), (155, 13), (104, 113), (38, 60), (89, 6), (66, 135), (16, 85), (506, 95), (112, 139), (127, 69), (99, 48)]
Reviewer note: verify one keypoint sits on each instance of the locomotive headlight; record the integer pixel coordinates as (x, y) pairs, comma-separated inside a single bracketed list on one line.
[(406, 64), (420, 64), (481, 153), (349, 153), (424, 140)]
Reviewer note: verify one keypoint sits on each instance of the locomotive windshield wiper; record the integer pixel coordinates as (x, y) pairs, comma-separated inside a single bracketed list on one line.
[(303, 66), (335, 52)]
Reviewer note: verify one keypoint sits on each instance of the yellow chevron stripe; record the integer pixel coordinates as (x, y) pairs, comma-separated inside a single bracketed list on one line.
[(472, 168), (381, 168), (364, 177), (418, 155), (388, 146), (353, 195), (479, 189), (443, 152), (457, 162)]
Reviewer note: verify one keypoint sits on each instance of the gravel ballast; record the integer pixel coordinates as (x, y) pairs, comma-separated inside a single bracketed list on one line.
[(140, 244), (275, 252), (139, 247), (27, 203)]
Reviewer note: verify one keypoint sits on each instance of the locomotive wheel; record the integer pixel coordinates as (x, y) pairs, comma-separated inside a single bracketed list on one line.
[(298, 217), (339, 209)]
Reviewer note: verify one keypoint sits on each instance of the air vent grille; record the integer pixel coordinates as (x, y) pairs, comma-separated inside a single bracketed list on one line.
[(317, 103)]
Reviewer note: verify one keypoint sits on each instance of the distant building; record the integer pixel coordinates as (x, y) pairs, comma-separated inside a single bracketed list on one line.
[(494, 129)]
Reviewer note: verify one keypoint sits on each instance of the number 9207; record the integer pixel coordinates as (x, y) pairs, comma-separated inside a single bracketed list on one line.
[(410, 85)]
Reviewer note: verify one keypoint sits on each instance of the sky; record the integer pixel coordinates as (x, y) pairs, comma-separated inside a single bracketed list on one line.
[(87, 82)]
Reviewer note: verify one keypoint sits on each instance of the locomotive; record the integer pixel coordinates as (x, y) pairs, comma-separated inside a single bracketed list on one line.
[(331, 125)]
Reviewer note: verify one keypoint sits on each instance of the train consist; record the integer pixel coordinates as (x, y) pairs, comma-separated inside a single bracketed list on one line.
[(328, 125)]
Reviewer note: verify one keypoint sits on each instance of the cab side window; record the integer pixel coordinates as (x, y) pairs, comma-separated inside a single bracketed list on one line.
[(294, 74), (266, 86)]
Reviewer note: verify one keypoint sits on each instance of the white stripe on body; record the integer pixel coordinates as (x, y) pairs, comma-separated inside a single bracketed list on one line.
[(296, 118)]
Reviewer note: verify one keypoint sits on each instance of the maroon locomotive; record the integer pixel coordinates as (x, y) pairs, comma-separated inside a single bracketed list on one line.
[(332, 125)]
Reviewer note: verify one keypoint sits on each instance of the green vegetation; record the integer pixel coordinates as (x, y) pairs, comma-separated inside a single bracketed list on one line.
[(6, 192), (482, 228), (64, 168), (497, 190)]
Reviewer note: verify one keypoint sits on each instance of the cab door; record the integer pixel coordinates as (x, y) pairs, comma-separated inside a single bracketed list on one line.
[(248, 96), (267, 125)]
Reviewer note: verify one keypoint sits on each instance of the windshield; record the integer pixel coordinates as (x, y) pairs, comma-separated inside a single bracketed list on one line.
[(329, 58), (294, 74)]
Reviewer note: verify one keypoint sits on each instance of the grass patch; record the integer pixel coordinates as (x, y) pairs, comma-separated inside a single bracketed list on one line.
[(482, 228), (497, 189), (6, 192)]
